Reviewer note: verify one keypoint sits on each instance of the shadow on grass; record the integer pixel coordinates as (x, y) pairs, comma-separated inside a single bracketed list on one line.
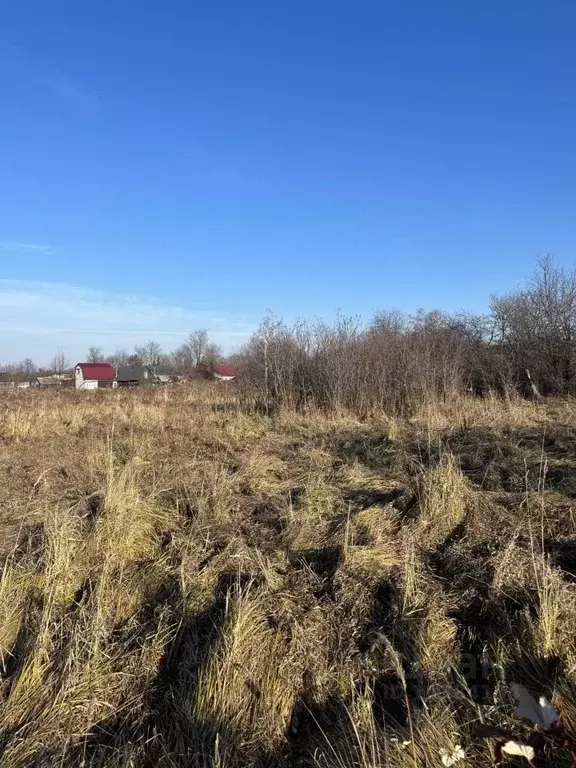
[(563, 553), (362, 498)]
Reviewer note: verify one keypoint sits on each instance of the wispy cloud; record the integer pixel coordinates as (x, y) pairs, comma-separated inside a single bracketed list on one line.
[(36, 318), (70, 90), (30, 71), (42, 249)]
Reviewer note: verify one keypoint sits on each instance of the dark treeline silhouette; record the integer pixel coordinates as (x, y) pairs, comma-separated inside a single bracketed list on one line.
[(525, 344)]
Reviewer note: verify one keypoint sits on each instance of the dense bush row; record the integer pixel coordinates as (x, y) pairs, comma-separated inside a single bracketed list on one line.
[(525, 344)]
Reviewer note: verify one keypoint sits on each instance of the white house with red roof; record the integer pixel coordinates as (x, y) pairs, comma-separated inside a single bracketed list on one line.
[(94, 375)]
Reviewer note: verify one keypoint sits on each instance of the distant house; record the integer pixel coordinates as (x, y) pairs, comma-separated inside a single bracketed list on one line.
[(7, 380), (224, 372), (133, 375), (55, 381), (93, 375), (141, 375), (16, 380), (161, 374)]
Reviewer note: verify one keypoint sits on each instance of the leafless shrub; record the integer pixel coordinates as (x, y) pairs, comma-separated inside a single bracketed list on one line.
[(535, 327)]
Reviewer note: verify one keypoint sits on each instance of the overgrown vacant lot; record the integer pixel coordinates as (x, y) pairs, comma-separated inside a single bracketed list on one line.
[(185, 584)]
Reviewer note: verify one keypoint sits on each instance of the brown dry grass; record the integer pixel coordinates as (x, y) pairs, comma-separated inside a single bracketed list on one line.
[(184, 584)]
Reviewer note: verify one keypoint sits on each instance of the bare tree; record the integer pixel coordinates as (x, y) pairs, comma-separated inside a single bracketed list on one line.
[(59, 362), (28, 366), (197, 350), (535, 328), (149, 353), (134, 359), (183, 357), (198, 342), (95, 354), (119, 357), (389, 320), (212, 354)]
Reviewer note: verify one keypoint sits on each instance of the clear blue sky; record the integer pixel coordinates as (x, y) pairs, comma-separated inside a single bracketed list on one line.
[(179, 163)]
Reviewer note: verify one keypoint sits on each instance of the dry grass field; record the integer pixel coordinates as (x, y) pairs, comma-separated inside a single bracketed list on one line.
[(184, 584)]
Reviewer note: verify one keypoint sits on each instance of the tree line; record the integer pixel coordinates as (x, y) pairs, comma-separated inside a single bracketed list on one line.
[(525, 343), (196, 350)]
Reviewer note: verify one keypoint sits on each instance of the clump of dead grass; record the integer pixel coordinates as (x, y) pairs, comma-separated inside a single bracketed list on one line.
[(443, 495), (252, 679)]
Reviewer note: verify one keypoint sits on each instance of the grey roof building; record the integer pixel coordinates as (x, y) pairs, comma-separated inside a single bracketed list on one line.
[(138, 375)]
